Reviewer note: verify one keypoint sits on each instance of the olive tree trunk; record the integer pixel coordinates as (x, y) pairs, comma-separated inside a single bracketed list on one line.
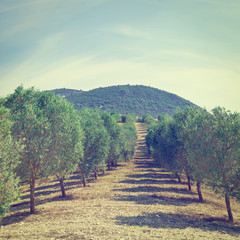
[(61, 180), (199, 192), (95, 175), (229, 210), (189, 183), (178, 177), (32, 193), (83, 179)]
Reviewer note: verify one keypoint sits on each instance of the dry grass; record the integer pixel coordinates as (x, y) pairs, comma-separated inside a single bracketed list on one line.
[(135, 201)]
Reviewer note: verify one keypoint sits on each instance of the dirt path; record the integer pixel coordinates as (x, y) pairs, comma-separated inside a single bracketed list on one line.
[(134, 201)]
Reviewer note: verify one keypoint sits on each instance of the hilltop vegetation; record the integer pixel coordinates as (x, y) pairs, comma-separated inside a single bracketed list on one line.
[(126, 99)]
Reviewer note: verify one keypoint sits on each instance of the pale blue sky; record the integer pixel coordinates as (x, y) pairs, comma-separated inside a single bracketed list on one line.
[(187, 47)]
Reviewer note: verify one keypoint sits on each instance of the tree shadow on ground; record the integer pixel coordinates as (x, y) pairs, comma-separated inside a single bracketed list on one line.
[(161, 200), (14, 218), (178, 221), (152, 175), (53, 189), (43, 191), (55, 183), (147, 181), (20, 216), (154, 178), (140, 158), (147, 166), (156, 189), (40, 188)]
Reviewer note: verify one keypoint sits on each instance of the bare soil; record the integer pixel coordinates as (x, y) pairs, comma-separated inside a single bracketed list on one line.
[(134, 201)]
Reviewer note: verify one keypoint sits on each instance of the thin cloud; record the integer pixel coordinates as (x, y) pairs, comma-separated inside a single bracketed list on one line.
[(37, 62), (21, 5), (228, 64), (126, 30), (187, 47), (222, 2), (218, 86), (40, 14)]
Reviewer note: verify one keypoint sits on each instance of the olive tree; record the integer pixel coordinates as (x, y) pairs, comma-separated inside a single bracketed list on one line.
[(164, 145), (95, 143), (9, 160), (116, 141), (182, 119), (223, 156), (31, 124), (66, 133), (212, 143), (148, 119), (193, 133), (130, 141)]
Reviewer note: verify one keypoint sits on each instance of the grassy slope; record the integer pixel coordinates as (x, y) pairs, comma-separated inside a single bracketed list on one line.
[(135, 201), (126, 99)]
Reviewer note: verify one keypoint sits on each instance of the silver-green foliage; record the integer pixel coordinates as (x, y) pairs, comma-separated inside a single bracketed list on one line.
[(95, 143), (130, 141), (66, 147), (213, 147), (50, 130), (29, 111), (209, 146), (9, 155)]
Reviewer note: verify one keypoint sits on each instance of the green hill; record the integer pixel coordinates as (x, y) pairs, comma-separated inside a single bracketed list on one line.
[(126, 99)]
